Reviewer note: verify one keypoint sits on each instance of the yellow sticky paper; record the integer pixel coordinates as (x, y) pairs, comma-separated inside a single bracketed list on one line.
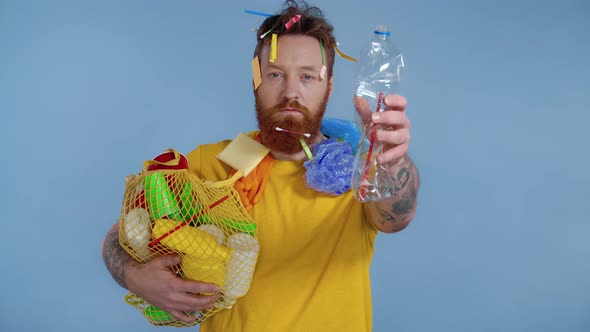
[(256, 75), (243, 154), (273, 48)]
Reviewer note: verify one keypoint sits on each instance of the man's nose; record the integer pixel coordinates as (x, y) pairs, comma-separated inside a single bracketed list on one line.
[(291, 89)]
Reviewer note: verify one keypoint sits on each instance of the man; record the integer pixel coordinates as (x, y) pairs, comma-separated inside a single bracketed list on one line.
[(312, 272)]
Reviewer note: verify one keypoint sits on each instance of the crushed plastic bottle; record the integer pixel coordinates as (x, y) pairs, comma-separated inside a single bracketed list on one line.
[(378, 74)]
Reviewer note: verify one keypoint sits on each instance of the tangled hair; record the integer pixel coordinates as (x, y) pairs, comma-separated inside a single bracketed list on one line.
[(312, 23)]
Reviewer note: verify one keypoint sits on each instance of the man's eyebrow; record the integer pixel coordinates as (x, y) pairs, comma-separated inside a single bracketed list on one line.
[(273, 66), (308, 67)]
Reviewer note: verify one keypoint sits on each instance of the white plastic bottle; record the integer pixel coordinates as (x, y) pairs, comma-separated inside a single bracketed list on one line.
[(240, 267), (378, 74)]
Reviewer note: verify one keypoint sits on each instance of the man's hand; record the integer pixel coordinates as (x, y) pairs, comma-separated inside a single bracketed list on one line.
[(155, 281), (395, 126), (159, 285), (394, 213)]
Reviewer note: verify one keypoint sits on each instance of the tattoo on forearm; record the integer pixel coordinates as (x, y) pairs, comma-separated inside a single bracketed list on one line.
[(403, 176), (407, 197), (403, 206), (115, 258), (386, 216)]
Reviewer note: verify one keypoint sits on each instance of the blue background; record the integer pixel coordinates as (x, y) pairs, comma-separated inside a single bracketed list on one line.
[(498, 97)]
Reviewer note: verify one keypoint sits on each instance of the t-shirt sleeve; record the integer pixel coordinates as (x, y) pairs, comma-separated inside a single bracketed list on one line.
[(194, 161), (203, 162)]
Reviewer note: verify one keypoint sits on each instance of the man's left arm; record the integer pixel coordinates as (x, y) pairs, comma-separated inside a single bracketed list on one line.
[(395, 213)]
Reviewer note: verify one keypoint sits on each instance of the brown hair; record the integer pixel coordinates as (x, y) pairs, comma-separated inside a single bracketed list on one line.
[(312, 23)]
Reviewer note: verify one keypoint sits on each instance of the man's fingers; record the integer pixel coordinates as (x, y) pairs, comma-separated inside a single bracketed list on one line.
[(198, 287), (395, 102), (396, 142), (395, 132), (206, 301), (167, 260), (187, 295), (391, 118), (393, 154), (196, 295), (193, 302), (393, 137), (362, 108), (392, 103), (189, 303)]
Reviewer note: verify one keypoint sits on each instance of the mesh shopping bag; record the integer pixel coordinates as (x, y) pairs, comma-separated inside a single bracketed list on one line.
[(166, 209)]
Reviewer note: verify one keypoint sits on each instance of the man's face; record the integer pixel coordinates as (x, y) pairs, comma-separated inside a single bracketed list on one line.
[(292, 95)]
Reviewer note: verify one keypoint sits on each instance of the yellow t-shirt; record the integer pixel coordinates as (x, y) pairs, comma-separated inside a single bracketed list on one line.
[(312, 272)]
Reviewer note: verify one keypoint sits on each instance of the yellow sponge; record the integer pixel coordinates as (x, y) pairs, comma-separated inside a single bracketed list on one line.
[(243, 154)]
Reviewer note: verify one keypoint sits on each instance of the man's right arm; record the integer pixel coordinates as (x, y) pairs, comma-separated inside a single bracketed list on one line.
[(155, 280), (114, 256)]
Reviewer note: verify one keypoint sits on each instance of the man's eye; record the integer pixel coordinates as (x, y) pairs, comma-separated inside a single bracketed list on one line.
[(275, 75), (307, 77)]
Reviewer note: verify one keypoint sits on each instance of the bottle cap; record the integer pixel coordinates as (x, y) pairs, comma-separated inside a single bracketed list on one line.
[(382, 29)]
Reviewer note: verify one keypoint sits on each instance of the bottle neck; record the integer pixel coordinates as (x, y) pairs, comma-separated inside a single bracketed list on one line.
[(381, 35)]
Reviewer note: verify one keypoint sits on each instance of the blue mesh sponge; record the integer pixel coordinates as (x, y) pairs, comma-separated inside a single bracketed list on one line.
[(330, 169)]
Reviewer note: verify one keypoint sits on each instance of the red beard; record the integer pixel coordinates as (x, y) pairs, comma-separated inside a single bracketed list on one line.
[(270, 118)]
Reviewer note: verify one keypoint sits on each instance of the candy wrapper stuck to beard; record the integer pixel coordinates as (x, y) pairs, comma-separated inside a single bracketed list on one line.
[(330, 170)]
